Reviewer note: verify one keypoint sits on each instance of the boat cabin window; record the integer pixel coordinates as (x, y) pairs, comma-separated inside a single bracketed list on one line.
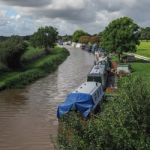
[(98, 93), (94, 78), (95, 96)]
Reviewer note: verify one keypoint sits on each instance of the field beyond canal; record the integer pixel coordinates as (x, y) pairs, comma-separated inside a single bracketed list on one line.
[(144, 48)]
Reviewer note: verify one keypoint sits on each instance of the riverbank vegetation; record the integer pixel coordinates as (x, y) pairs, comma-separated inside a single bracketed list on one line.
[(22, 61), (32, 53), (123, 122), (32, 71), (10, 52)]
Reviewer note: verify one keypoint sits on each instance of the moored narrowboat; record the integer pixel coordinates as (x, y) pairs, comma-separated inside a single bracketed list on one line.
[(84, 99)]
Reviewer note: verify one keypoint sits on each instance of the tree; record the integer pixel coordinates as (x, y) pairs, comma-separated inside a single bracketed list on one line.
[(94, 39), (11, 51), (66, 38), (77, 34), (45, 37), (84, 39), (145, 33), (121, 35)]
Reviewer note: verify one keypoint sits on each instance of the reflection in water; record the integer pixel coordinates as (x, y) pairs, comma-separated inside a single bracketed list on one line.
[(28, 117)]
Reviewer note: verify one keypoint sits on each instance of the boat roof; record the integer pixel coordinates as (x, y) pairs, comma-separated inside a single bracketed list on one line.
[(123, 65), (87, 87), (98, 69)]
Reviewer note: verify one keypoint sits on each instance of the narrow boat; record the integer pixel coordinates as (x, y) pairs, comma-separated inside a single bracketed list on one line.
[(84, 99), (98, 74)]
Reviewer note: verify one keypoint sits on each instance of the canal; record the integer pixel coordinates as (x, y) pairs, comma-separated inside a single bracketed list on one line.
[(28, 116)]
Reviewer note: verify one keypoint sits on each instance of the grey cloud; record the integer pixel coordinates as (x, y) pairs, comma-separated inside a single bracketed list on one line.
[(77, 15), (92, 16), (140, 12), (72, 15), (3, 22), (109, 5), (27, 3)]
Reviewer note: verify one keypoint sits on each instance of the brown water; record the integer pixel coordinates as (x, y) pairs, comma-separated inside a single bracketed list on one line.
[(28, 116)]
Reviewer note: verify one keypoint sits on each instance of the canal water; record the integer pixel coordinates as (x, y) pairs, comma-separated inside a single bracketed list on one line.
[(28, 116)]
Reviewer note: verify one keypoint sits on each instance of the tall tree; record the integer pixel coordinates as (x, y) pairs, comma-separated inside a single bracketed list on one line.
[(121, 35), (84, 39), (77, 34), (95, 39), (45, 37)]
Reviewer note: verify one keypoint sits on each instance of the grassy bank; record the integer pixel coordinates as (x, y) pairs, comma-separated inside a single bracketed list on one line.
[(144, 48), (33, 71)]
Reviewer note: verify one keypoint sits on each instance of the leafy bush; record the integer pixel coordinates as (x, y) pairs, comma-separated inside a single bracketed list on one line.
[(123, 123), (11, 51)]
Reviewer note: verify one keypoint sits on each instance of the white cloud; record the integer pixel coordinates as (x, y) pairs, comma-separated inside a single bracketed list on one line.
[(18, 17)]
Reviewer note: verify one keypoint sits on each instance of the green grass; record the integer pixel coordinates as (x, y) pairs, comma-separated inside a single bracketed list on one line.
[(55, 55), (39, 68), (142, 69), (144, 49)]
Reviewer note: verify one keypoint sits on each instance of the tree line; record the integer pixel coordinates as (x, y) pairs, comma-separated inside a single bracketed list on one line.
[(12, 48), (121, 35), (145, 33), (84, 37)]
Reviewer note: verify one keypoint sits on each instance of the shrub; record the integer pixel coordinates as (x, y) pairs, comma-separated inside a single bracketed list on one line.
[(11, 51)]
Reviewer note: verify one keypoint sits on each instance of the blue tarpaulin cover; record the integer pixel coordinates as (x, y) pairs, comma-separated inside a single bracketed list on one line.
[(78, 101)]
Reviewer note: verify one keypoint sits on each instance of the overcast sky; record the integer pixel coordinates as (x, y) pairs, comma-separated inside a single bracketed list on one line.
[(23, 17)]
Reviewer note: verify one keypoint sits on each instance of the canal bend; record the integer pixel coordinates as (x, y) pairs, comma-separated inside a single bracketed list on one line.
[(28, 116)]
